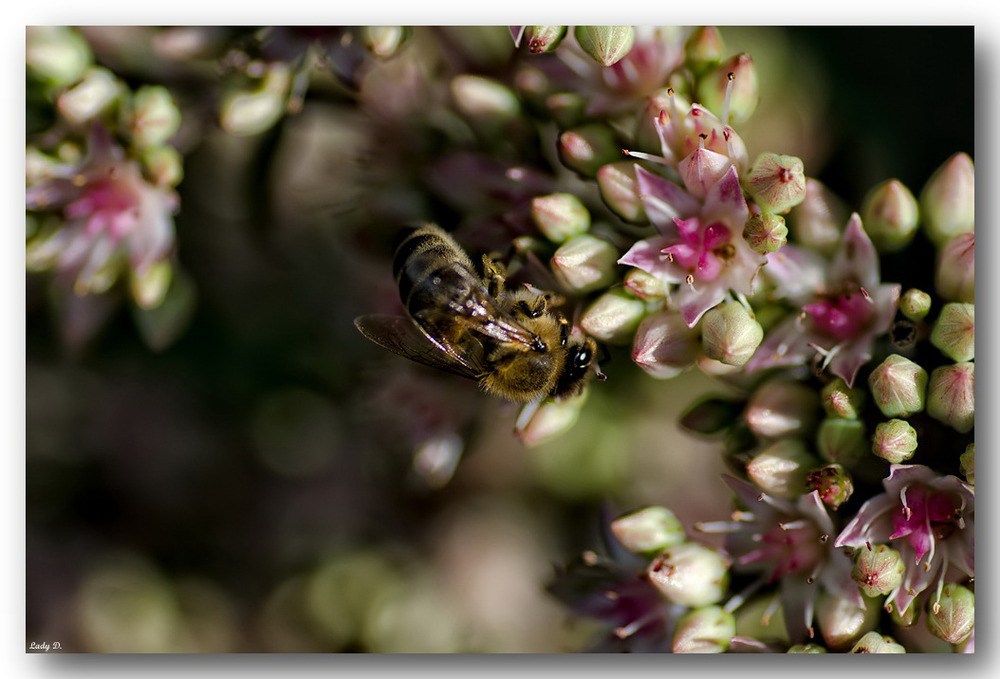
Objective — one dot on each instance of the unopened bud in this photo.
(914, 304)
(164, 165)
(690, 574)
(842, 401)
(566, 108)
(613, 317)
(777, 183)
(542, 39)
(907, 617)
(842, 622)
(818, 221)
(954, 331)
(149, 287)
(551, 419)
(384, 41)
(585, 263)
(606, 44)
(651, 529)
(806, 648)
(730, 334)
(873, 642)
(586, 148)
(93, 95)
(644, 285)
(898, 386)
(948, 200)
(894, 441)
(664, 345)
(967, 462)
(155, 117)
(951, 396)
(704, 48)
(781, 469)
(701, 169)
(251, 111)
(483, 99)
(619, 189)
(560, 216)
(890, 214)
(56, 54)
(877, 569)
(737, 73)
(955, 274)
(953, 616)
(832, 483)
(842, 441)
(704, 630)
(765, 233)
(781, 408)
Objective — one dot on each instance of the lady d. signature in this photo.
(44, 646)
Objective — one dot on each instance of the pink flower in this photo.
(843, 306)
(701, 247)
(929, 518)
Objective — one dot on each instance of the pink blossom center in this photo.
(790, 548)
(110, 204)
(923, 516)
(703, 253)
(842, 317)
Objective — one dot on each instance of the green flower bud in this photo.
(833, 484)
(613, 317)
(818, 221)
(765, 233)
(96, 93)
(953, 616)
(551, 419)
(704, 48)
(606, 44)
(251, 111)
(806, 648)
(730, 334)
(560, 216)
(149, 288)
(951, 396)
(877, 569)
(738, 73)
(164, 165)
(664, 345)
(690, 574)
(898, 386)
(948, 200)
(873, 642)
(777, 183)
(704, 630)
(842, 401)
(651, 529)
(155, 116)
(895, 441)
(782, 467)
(542, 39)
(620, 191)
(842, 622)
(915, 304)
(57, 54)
(484, 101)
(890, 215)
(644, 285)
(384, 41)
(955, 274)
(586, 148)
(954, 332)
(566, 108)
(842, 441)
(967, 460)
(781, 408)
(585, 263)
(906, 618)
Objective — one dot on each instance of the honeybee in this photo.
(466, 322)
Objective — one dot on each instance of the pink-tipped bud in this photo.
(898, 386)
(952, 617)
(842, 622)
(873, 642)
(951, 396)
(890, 216)
(833, 484)
(730, 89)
(894, 441)
(651, 529)
(730, 334)
(842, 441)
(781, 469)
(586, 148)
(585, 263)
(566, 108)
(701, 169)
(560, 216)
(97, 92)
(704, 630)
(164, 165)
(664, 345)
(644, 285)
(606, 44)
(613, 317)
(704, 48)
(877, 569)
(620, 191)
(954, 331)
(781, 408)
(842, 401)
(543, 39)
(948, 200)
(765, 233)
(550, 420)
(155, 116)
(777, 183)
(690, 574)
(915, 304)
(818, 221)
(58, 55)
(384, 41)
(955, 275)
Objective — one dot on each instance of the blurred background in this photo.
(242, 471)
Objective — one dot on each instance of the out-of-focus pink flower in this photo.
(929, 518)
(840, 317)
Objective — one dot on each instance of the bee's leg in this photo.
(494, 275)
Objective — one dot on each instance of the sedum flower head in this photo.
(928, 518)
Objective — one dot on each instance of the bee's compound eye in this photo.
(582, 358)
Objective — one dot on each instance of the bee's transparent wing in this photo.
(401, 336)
